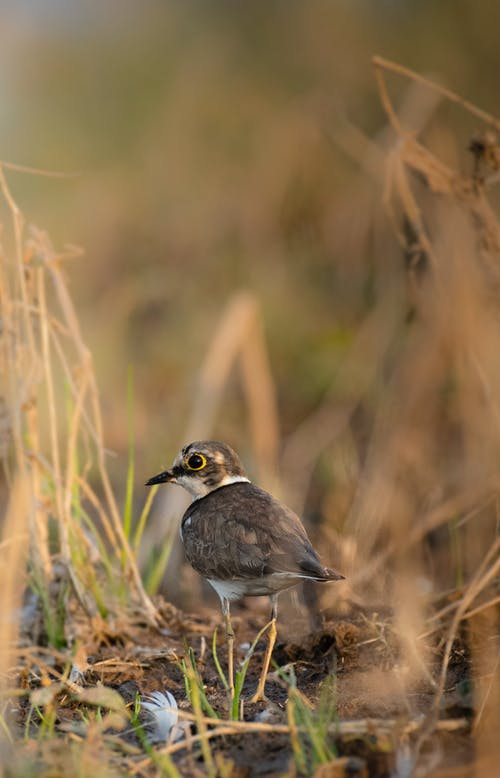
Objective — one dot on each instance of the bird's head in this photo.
(201, 467)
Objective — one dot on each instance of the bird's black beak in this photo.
(161, 478)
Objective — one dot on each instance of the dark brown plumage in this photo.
(239, 537)
(241, 532)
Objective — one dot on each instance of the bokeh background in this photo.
(218, 148)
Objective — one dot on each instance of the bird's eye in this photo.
(196, 462)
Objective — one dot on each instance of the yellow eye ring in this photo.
(195, 462)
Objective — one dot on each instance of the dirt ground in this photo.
(357, 650)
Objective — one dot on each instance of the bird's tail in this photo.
(331, 575)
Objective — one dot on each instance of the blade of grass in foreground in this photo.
(129, 495)
(192, 678)
(217, 663)
(240, 675)
(144, 517)
(156, 571)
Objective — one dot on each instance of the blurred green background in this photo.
(204, 138)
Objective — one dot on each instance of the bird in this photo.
(240, 538)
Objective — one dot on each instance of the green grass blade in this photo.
(144, 517)
(220, 671)
(295, 740)
(191, 675)
(156, 572)
(129, 495)
(241, 674)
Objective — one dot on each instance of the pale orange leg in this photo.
(271, 640)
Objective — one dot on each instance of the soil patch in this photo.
(354, 657)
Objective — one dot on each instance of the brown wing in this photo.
(240, 531)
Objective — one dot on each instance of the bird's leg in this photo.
(230, 645)
(271, 640)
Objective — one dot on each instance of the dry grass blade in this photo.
(363, 727)
(484, 575)
(47, 368)
(380, 64)
(12, 578)
(466, 503)
(35, 171)
(450, 236)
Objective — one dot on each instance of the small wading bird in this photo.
(239, 537)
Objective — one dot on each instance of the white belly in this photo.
(253, 587)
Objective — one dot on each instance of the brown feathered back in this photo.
(240, 531)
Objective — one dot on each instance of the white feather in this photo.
(162, 710)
